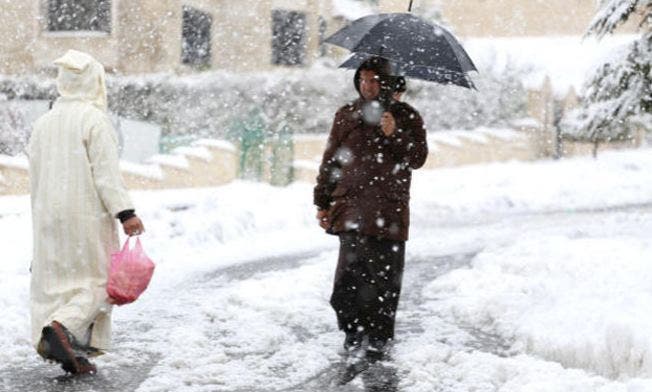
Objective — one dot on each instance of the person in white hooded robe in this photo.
(77, 195)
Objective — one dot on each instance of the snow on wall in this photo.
(143, 170)
(214, 143)
(15, 162)
(195, 152)
(178, 161)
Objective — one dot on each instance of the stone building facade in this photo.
(144, 36)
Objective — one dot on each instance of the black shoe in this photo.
(56, 345)
(355, 364)
(85, 366)
(377, 350)
(353, 341)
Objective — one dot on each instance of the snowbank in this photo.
(15, 162)
(615, 178)
(582, 302)
(565, 287)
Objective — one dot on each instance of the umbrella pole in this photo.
(410, 6)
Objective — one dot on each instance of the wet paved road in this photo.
(39, 376)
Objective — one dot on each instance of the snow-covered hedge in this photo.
(209, 104)
(14, 129)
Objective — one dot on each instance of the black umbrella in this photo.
(431, 74)
(414, 46)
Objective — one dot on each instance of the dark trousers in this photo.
(367, 285)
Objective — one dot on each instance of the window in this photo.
(288, 38)
(196, 37)
(79, 15)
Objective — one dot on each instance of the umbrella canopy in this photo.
(416, 47)
(431, 74)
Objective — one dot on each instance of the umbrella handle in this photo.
(410, 6)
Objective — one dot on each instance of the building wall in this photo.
(149, 35)
(146, 35)
(507, 18)
(518, 18)
(242, 36)
(17, 34)
(46, 46)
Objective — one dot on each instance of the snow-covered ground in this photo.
(552, 291)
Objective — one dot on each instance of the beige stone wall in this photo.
(470, 152)
(138, 41)
(308, 150)
(146, 35)
(16, 32)
(13, 181)
(149, 35)
(242, 36)
(218, 168)
(309, 147)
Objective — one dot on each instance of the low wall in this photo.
(447, 148)
(577, 148)
(209, 163)
(206, 163)
(14, 178)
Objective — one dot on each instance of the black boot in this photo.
(377, 350)
(353, 341)
(56, 345)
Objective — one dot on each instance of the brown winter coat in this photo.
(364, 178)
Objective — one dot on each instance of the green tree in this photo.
(618, 97)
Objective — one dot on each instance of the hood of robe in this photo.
(81, 77)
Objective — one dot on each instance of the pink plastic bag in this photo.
(130, 273)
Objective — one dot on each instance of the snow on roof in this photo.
(567, 60)
(14, 162)
(351, 9)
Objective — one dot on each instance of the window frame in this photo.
(302, 56)
(208, 61)
(45, 26)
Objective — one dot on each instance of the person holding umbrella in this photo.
(362, 196)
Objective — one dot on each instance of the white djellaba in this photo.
(76, 193)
